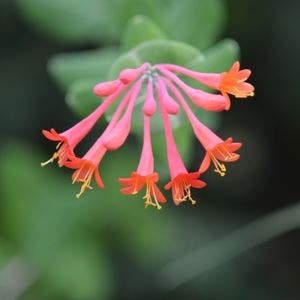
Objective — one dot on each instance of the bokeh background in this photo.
(241, 241)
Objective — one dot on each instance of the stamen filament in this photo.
(219, 168)
(150, 189)
(85, 182)
(51, 160)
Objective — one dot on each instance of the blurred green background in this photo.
(241, 241)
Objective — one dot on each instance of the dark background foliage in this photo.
(52, 247)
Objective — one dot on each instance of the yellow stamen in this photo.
(182, 192)
(51, 160)
(58, 145)
(149, 189)
(225, 153)
(155, 198)
(219, 168)
(85, 184)
(188, 194)
(135, 191)
(86, 180)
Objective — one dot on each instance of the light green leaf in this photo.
(140, 29)
(197, 22)
(221, 56)
(94, 64)
(123, 10)
(157, 51)
(80, 97)
(78, 22)
(69, 21)
(217, 58)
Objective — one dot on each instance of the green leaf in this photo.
(80, 97)
(140, 29)
(67, 67)
(123, 10)
(69, 21)
(197, 22)
(157, 51)
(78, 22)
(221, 56)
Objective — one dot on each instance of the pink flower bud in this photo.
(107, 88)
(150, 105)
(129, 75)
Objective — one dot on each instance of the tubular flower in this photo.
(136, 182)
(145, 175)
(216, 148)
(87, 166)
(222, 151)
(181, 186)
(231, 82)
(69, 139)
(64, 150)
(161, 82)
(181, 181)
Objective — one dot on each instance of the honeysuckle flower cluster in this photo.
(166, 94)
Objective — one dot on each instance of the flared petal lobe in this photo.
(85, 171)
(137, 182)
(181, 186)
(224, 152)
(63, 149)
(233, 82)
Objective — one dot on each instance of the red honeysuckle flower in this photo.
(87, 166)
(120, 131)
(231, 82)
(207, 101)
(69, 139)
(136, 182)
(222, 151)
(145, 175)
(181, 180)
(181, 186)
(216, 148)
(162, 82)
